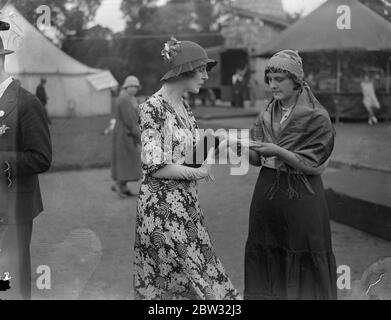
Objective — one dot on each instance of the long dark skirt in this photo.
(288, 251)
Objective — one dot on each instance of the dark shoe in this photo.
(120, 193)
(129, 193)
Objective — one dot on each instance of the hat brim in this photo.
(131, 85)
(5, 51)
(189, 66)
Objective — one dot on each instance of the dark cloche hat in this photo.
(184, 56)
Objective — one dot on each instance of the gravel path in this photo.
(86, 234)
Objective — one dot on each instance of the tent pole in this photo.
(337, 97)
(338, 72)
(388, 75)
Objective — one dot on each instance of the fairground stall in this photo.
(337, 55)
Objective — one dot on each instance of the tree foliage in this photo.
(144, 16)
(382, 7)
(68, 16)
(195, 18)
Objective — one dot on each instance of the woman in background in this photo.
(126, 159)
(370, 100)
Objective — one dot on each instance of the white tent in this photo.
(69, 86)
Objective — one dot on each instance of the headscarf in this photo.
(287, 60)
(308, 132)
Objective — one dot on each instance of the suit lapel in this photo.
(8, 101)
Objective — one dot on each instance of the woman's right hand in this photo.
(206, 167)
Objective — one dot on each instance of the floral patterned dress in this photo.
(174, 256)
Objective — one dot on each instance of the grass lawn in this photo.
(79, 143)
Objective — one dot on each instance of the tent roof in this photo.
(278, 21)
(273, 9)
(34, 54)
(318, 31)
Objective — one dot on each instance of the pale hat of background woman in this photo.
(184, 56)
(131, 81)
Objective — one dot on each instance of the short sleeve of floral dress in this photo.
(173, 254)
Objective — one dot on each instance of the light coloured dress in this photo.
(369, 96)
(174, 256)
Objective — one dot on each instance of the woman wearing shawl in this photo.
(289, 252)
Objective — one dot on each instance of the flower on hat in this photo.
(171, 49)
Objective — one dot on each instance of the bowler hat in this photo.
(2, 50)
(184, 56)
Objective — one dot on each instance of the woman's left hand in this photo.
(206, 167)
(267, 149)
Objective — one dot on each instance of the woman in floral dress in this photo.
(174, 257)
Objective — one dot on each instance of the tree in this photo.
(157, 24)
(382, 7)
(118, 67)
(137, 13)
(89, 49)
(190, 15)
(68, 16)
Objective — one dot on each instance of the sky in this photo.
(110, 15)
(297, 5)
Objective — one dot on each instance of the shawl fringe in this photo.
(294, 178)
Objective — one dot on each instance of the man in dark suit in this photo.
(40, 92)
(25, 151)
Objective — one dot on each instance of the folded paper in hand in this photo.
(200, 151)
